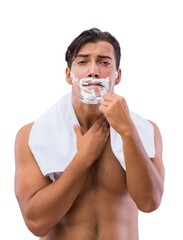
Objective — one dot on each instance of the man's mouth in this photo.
(92, 85)
(91, 82)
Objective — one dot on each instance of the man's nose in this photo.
(94, 75)
(93, 71)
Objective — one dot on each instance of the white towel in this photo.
(53, 142)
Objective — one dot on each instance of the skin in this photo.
(94, 198)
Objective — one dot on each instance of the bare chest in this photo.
(107, 173)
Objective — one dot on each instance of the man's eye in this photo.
(82, 62)
(104, 63)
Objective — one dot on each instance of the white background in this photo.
(34, 36)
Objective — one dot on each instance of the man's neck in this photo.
(87, 114)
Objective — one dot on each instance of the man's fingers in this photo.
(104, 126)
(98, 122)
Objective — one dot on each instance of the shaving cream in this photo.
(92, 89)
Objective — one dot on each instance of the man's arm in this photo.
(42, 202)
(145, 176)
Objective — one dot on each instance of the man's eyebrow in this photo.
(82, 55)
(87, 55)
(103, 56)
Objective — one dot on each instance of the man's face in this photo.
(93, 72)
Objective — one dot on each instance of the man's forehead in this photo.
(101, 48)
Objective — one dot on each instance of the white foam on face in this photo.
(92, 89)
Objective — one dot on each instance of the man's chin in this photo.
(93, 101)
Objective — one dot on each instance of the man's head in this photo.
(93, 60)
(92, 35)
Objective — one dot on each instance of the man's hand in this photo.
(115, 109)
(92, 143)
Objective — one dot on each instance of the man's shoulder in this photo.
(23, 134)
(25, 129)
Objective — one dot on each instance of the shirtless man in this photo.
(95, 197)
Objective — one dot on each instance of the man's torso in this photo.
(104, 209)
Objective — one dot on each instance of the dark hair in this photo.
(92, 35)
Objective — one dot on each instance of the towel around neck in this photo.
(53, 142)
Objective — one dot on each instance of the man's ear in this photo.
(118, 77)
(68, 75)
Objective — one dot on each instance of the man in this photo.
(88, 165)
